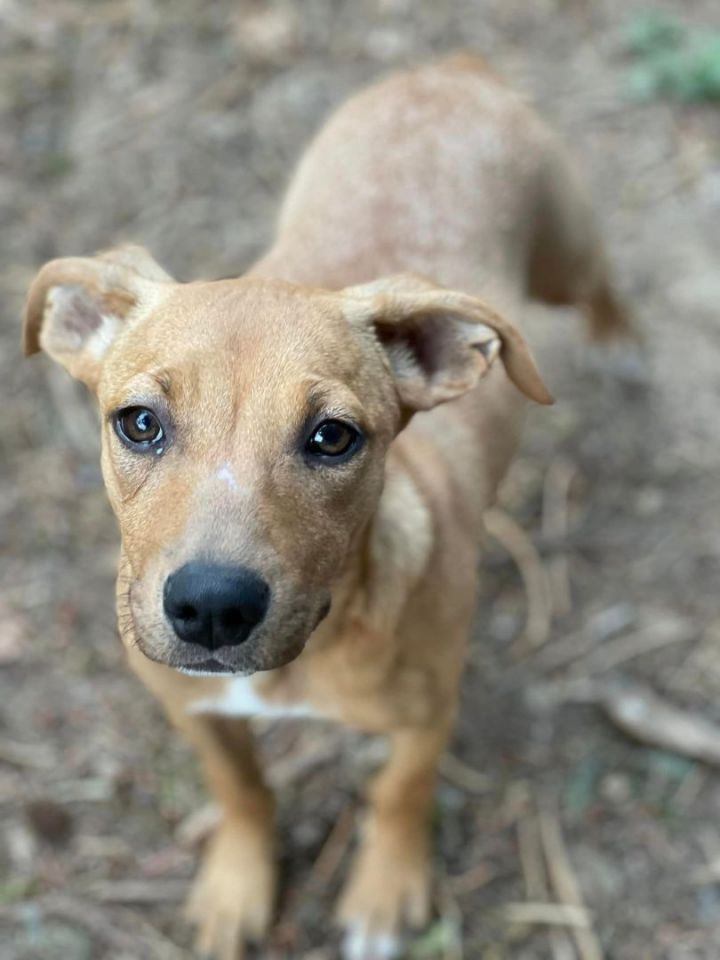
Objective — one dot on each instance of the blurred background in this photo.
(577, 810)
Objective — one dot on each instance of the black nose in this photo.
(215, 606)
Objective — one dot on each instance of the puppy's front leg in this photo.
(389, 887)
(232, 897)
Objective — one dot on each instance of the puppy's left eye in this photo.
(333, 439)
(139, 427)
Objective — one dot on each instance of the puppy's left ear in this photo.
(76, 306)
(439, 343)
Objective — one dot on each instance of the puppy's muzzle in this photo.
(215, 606)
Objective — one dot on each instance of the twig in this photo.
(470, 880)
(548, 914)
(561, 944)
(536, 887)
(160, 947)
(451, 916)
(90, 790)
(555, 525)
(333, 850)
(566, 886)
(300, 763)
(565, 650)
(707, 874)
(660, 634)
(531, 862)
(95, 847)
(523, 552)
(138, 891)
(26, 755)
(584, 650)
(463, 776)
(86, 915)
(197, 826)
(642, 714)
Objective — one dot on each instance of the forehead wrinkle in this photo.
(267, 405)
(246, 367)
(137, 387)
(335, 396)
(163, 380)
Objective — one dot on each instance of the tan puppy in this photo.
(296, 538)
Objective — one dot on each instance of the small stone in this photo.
(308, 833)
(266, 34)
(49, 820)
(616, 788)
(504, 626)
(13, 634)
(386, 44)
(649, 501)
(612, 621)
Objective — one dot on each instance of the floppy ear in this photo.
(439, 343)
(77, 305)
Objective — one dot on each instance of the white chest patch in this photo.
(241, 699)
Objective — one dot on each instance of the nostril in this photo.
(187, 613)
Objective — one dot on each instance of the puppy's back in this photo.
(431, 170)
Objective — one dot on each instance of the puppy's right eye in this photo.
(333, 440)
(139, 427)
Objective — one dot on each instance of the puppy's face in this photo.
(245, 425)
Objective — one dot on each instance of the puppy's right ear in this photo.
(77, 305)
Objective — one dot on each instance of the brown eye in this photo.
(139, 427)
(333, 439)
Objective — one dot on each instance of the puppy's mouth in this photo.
(258, 653)
(211, 668)
(230, 663)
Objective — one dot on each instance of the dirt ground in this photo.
(176, 125)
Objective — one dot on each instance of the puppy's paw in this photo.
(232, 897)
(387, 893)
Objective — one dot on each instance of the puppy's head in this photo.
(244, 430)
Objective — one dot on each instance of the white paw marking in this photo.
(360, 944)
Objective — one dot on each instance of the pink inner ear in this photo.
(75, 311)
(426, 341)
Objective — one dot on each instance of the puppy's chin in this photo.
(224, 662)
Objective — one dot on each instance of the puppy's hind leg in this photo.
(566, 263)
(607, 315)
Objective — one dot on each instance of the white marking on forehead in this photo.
(241, 699)
(226, 475)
